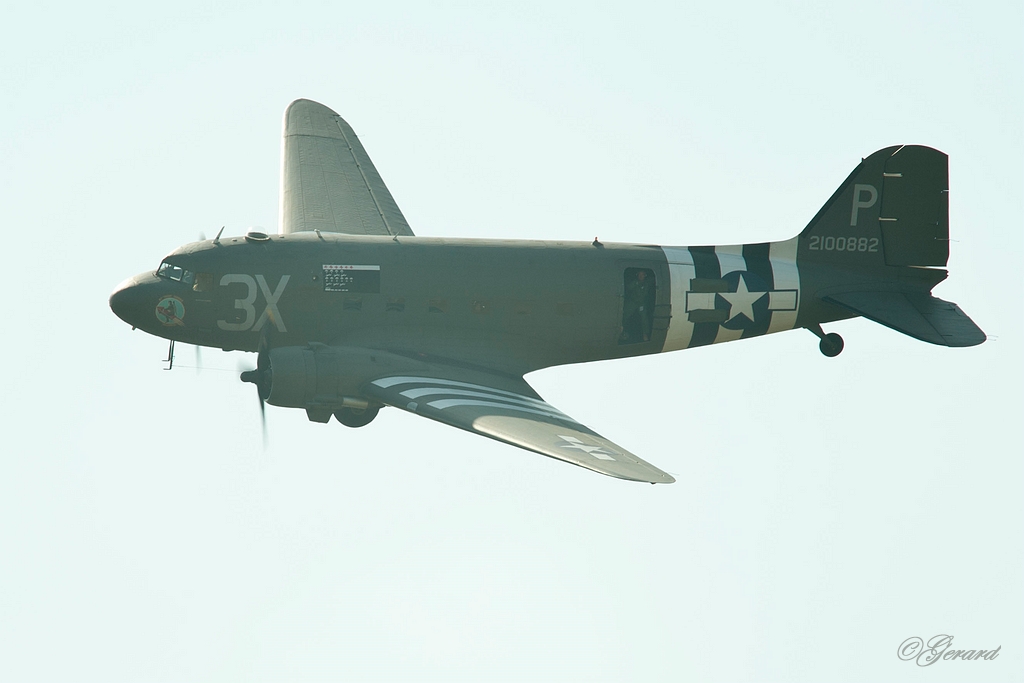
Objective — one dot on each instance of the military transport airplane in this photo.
(349, 312)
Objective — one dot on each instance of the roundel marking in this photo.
(746, 302)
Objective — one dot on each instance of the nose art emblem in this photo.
(170, 311)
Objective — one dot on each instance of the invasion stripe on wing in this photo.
(387, 382)
(433, 391)
(457, 402)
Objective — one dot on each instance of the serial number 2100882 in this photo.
(819, 243)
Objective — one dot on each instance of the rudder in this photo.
(893, 210)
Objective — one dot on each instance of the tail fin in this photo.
(894, 209)
(876, 243)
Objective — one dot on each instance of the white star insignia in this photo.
(595, 451)
(741, 302)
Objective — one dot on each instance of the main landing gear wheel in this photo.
(351, 417)
(831, 345)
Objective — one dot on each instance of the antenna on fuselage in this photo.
(216, 240)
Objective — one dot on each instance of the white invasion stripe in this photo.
(786, 276)
(386, 382)
(784, 254)
(730, 258)
(433, 391)
(782, 301)
(680, 271)
(679, 255)
(458, 402)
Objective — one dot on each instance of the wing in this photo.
(328, 182)
(509, 410)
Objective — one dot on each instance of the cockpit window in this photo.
(176, 273)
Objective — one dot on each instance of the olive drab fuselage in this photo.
(513, 306)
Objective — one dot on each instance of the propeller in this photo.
(262, 376)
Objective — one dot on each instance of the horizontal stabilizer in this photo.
(915, 314)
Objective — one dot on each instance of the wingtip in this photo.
(650, 475)
(303, 105)
(306, 117)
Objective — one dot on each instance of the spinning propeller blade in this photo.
(262, 376)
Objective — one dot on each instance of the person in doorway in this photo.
(636, 316)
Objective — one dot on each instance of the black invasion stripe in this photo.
(705, 267)
(705, 263)
(758, 263)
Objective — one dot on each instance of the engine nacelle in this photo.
(310, 377)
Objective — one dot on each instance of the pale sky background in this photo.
(825, 510)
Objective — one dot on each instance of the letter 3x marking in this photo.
(246, 303)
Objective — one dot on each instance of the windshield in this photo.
(176, 273)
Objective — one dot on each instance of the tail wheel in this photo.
(351, 417)
(831, 345)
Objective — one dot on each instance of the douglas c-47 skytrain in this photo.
(349, 312)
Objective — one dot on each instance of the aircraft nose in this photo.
(125, 299)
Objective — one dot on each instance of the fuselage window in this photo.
(637, 305)
(204, 282)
